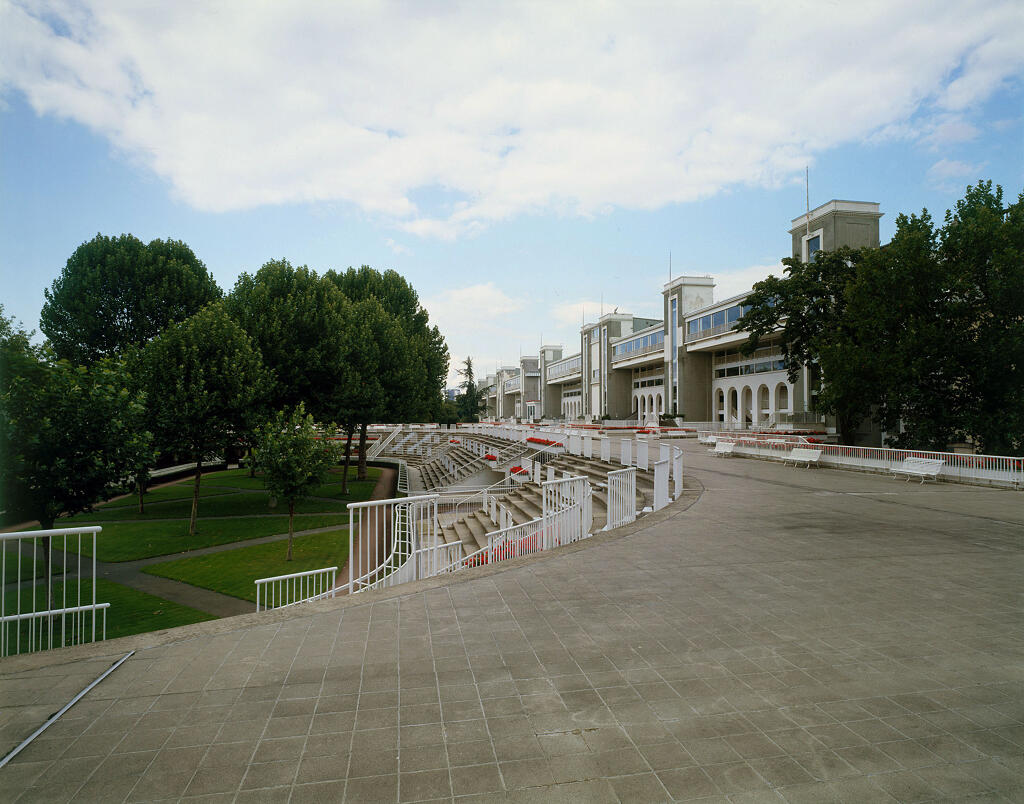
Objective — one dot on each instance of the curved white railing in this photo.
(985, 470)
(32, 563)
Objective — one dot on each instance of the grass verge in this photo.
(234, 572)
(127, 541)
(130, 612)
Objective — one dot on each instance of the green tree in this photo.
(117, 292)
(294, 460)
(925, 334)
(426, 350)
(981, 249)
(808, 306)
(204, 379)
(471, 401)
(301, 324)
(68, 434)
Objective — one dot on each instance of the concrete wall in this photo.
(694, 386)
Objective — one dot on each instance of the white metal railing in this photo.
(621, 497)
(32, 564)
(985, 470)
(567, 511)
(380, 444)
(298, 587)
(661, 498)
(384, 535)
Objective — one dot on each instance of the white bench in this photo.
(919, 467)
(722, 448)
(804, 455)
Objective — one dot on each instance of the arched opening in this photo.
(659, 407)
(734, 406)
(782, 397)
(720, 405)
(748, 406)
(764, 404)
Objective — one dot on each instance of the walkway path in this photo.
(794, 635)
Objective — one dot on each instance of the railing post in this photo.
(660, 485)
(677, 472)
(625, 452)
(642, 448)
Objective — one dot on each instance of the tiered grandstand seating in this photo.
(526, 502)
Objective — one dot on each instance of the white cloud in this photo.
(732, 283)
(398, 248)
(952, 174)
(514, 109)
(477, 320)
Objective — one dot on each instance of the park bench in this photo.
(919, 467)
(804, 455)
(722, 449)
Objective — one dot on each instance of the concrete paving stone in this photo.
(464, 730)
(687, 784)
(427, 785)
(266, 795)
(372, 789)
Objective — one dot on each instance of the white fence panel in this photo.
(606, 450)
(298, 587)
(48, 590)
(626, 452)
(621, 497)
(642, 448)
(588, 447)
(660, 485)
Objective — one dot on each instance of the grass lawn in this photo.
(130, 612)
(234, 572)
(126, 541)
(228, 513)
(247, 503)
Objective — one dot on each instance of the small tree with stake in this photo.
(293, 459)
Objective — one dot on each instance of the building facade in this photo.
(689, 363)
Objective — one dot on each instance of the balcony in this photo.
(709, 333)
(638, 352)
(557, 370)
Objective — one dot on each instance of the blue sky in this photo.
(515, 167)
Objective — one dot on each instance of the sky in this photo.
(521, 164)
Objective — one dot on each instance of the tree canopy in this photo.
(294, 459)
(204, 379)
(424, 345)
(925, 334)
(470, 403)
(303, 327)
(68, 434)
(118, 292)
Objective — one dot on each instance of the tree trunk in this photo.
(361, 471)
(195, 497)
(348, 459)
(140, 486)
(291, 528)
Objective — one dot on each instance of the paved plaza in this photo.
(779, 634)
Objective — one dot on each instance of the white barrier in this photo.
(45, 567)
(661, 498)
(299, 587)
(621, 497)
